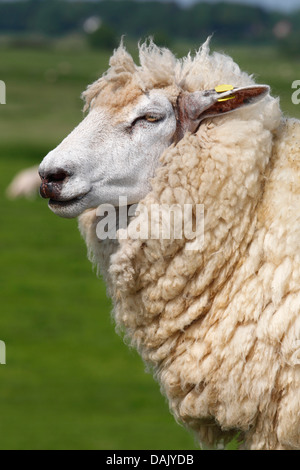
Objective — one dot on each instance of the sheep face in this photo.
(108, 155)
(114, 152)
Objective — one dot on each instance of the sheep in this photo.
(219, 326)
(25, 184)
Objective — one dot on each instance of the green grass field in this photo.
(70, 382)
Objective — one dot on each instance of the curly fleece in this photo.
(219, 327)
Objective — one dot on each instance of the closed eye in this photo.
(151, 118)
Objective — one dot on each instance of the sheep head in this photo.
(133, 118)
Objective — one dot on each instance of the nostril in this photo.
(57, 177)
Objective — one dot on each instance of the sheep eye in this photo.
(152, 118)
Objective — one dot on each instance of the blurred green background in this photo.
(70, 382)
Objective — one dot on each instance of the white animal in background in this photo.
(220, 326)
(25, 184)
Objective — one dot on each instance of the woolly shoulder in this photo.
(280, 208)
(289, 142)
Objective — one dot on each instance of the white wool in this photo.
(219, 327)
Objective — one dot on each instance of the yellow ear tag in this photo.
(222, 88)
(226, 99)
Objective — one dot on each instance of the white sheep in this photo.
(25, 184)
(219, 326)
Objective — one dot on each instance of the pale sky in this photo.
(281, 5)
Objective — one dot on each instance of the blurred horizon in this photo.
(103, 23)
(287, 5)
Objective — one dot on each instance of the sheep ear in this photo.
(194, 107)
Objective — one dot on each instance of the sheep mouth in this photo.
(68, 202)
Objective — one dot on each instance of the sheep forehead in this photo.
(124, 103)
(115, 99)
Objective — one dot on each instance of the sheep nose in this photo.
(52, 183)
